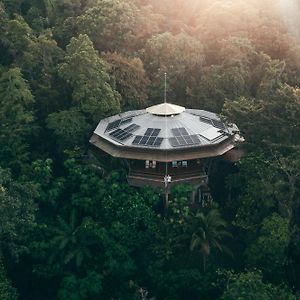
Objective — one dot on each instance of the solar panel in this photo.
(185, 140)
(137, 139)
(195, 139)
(144, 140)
(116, 132)
(152, 132)
(188, 140)
(173, 141)
(155, 132)
(176, 132)
(181, 140)
(132, 128)
(212, 133)
(115, 124)
(179, 131)
(158, 142)
(126, 120)
(125, 136)
(205, 120)
(214, 122)
(183, 131)
(149, 139)
(218, 123)
(149, 131)
(120, 135)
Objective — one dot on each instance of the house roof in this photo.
(165, 109)
(156, 130)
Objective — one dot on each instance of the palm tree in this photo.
(68, 241)
(208, 232)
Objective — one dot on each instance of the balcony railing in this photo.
(138, 176)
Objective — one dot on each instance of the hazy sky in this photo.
(290, 13)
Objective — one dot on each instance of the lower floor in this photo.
(158, 174)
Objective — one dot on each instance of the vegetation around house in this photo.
(70, 226)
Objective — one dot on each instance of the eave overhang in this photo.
(162, 155)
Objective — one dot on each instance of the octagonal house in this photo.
(166, 144)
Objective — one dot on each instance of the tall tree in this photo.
(269, 251)
(209, 232)
(16, 118)
(108, 23)
(130, 80)
(86, 74)
(250, 285)
(180, 56)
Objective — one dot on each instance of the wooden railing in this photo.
(156, 177)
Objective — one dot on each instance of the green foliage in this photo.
(108, 24)
(282, 105)
(39, 66)
(70, 127)
(80, 288)
(18, 34)
(70, 226)
(16, 118)
(17, 212)
(250, 285)
(269, 251)
(86, 74)
(208, 231)
(130, 80)
(7, 291)
(178, 55)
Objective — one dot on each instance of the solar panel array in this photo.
(124, 134)
(150, 138)
(216, 123)
(182, 138)
(118, 123)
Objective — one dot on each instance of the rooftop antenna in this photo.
(167, 177)
(165, 92)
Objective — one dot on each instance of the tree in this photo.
(7, 291)
(269, 251)
(180, 56)
(18, 35)
(108, 23)
(69, 241)
(39, 66)
(76, 288)
(12, 6)
(86, 74)
(4, 43)
(17, 211)
(69, 127)
(208, 233)
(130, 80)
(249, 285)
(16, 118)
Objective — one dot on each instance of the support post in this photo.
(166, 204)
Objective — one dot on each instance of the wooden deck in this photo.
(141, 176)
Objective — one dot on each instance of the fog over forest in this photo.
(71, 227)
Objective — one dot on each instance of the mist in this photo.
(290, 14)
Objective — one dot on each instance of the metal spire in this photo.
(165, 93)
(167, 176)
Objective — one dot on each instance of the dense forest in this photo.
(70, 226)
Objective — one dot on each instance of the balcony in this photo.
(140, 176)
